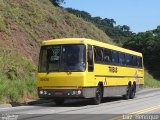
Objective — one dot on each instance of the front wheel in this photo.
(98, 97)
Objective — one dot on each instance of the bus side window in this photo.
(115, 59)
(98, 54)
(139, 62)
(128, 60)
(134, 61)
(90, 59)
(107, 56)
(122, 59)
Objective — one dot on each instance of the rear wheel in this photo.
(132, 93)
(59, 101)
(128, 93)
(98, 97)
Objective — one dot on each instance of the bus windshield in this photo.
(62, 58)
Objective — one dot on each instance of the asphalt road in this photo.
(146, 102)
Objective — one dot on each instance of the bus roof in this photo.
(89, 41)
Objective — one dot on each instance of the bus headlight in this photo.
(79, 92)
(73, 92)
(45, 92)
(76, 92)
(41, 92)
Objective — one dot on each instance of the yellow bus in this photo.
(85, 68)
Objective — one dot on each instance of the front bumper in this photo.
(60, 93)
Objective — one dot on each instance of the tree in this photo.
(125, 28)
(118, 33)
(57, 2)
(149, 44)
(82, 14)
(146, 42)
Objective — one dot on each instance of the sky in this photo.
(139, 15)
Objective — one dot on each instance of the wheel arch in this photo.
(129, 84)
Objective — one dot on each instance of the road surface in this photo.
(146, 102)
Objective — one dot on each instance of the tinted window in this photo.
(98, 54)
(139, 61)
(134, 61)
(114, 57)
(107, 55)
(128, 59)
(122, 59)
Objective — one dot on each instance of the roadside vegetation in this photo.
(42, 20)
(147, 42)
(17, 77)
(25, 23)
(150, 82)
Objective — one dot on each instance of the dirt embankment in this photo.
(25, 23)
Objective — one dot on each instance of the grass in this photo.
(34, 20)
(38, 20)
(41, 20)
(2, 24)
(150, 81)
(16, 90)
(17, 77)
(18, 81)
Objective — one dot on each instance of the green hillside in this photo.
(17, 77)
(148, 43)
(23, 25)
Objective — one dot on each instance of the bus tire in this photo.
(98, 97)
(132, 93)
(128, 92)
(59, 101)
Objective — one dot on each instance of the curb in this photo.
(29, 103)
(40, 101)
(5, 105)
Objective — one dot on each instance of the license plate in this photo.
(58, 93)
